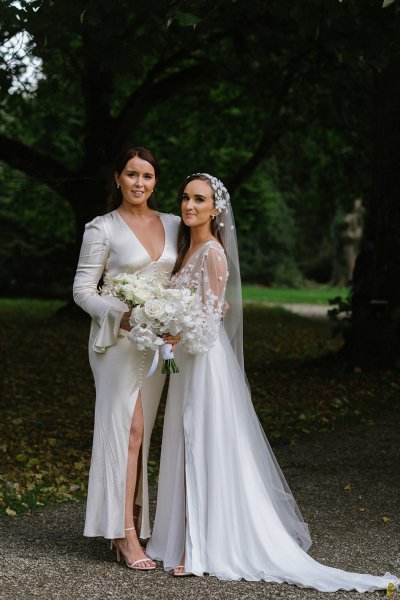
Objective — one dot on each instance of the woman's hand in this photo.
(125, 321)
(171, 339)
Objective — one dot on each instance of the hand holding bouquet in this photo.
(156, 310)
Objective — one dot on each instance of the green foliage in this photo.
(37, 235)
(220, 86)
(340, 314)
(266, 232)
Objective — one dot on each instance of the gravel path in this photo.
(347, 485)
(313, 311)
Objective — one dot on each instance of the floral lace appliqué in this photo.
(208, 310)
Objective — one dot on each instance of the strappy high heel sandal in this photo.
(182, 573)
(135, 563)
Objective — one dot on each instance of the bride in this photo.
(224, 507)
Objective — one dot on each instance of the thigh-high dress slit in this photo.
(110, 247)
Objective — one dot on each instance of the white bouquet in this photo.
(132, 289)
(201, 329)
(156, 310)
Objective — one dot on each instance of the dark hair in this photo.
(115, 197)
(183, 242)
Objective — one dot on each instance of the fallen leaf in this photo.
(293, 394)
(390, 590)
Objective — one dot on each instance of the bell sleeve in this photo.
(92, 260)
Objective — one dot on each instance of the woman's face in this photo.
(137, 181)
(197, 204)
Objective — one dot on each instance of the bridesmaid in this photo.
(132, 237)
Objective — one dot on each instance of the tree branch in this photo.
(138, 103)
(36, 165)
(271, 130)
(150, 94)
(160, 67)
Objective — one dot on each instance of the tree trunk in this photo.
(374, 335)
(89, 200)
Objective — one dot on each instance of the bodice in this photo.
(208, 260)
(206, 274)
(127, 254)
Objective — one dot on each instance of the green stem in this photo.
(169, 366)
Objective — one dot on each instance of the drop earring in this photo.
(117, 186)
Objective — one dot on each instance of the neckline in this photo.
(195, 252)
(139, 242)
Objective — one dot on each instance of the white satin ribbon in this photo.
(166, 353)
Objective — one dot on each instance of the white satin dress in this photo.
(110, 247)
(221, 496)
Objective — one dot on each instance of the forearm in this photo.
(92, 261)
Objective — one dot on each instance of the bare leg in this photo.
(130, 546)
(136, 507)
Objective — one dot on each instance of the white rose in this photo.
(121, 278)
(141, 294)
(138, 316)
(118, 289)
(172, 307)
(128, 291)
(154, 308)
(173, 293)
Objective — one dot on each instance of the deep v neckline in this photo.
(139, 242)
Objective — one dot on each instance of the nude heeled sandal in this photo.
(183, 574)
(135, 563)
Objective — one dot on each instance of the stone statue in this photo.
(347, 237)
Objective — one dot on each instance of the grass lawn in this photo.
(47, 395)
(312, 295)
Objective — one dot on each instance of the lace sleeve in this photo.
(210, 276)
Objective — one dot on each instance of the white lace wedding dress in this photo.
(222, 498)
